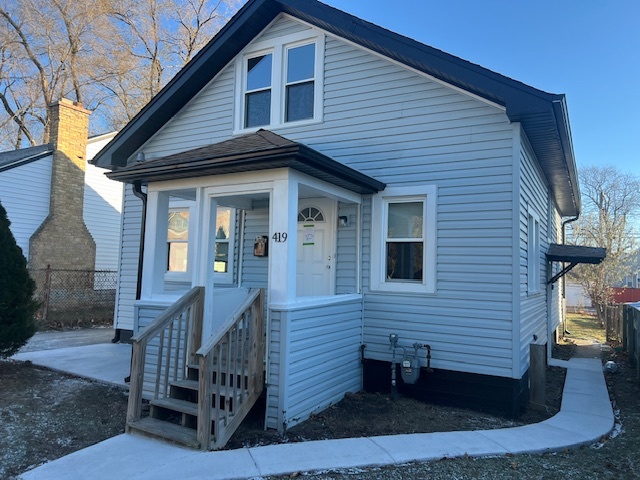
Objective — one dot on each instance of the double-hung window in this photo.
(258, 91)
(403, 235)
(300, 83)
(280, 83)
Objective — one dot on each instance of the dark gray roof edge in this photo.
(17, 158)
(561, 112)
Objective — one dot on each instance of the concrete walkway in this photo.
(85, 352)
(586, 415)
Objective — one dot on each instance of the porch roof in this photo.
(262, 150)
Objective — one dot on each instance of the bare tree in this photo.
(111, 55)
(611, 203)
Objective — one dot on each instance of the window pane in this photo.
(299, 102)
(300, 63)
(178, 225)
(223, 222)
(177, 257)
(259, 72)
(404, 260)
(405, 220)
(221, 262)
(258, 109)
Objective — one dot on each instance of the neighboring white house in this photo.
(25, 186)
(400, 190)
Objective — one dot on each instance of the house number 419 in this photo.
(280, 237)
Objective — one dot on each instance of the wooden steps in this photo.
(199, 409)
(165, 430)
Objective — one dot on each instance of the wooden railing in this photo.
(178, 333)
(231, 367)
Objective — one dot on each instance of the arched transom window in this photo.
(310, 214)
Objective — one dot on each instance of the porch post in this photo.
(283, 241)
(208, 253)
(155, 248)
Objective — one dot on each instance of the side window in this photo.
(177, 240)
(300, 83)
(403, 243)
(258, 91)
(533, 253)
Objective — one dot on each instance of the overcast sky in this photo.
(587, 49)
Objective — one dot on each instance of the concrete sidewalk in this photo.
(586, 415)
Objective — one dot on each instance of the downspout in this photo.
(137, 191)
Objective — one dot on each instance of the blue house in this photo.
(341, 183)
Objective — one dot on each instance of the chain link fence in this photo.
(74, 298)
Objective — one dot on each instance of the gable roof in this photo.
(14, 158)
(544, 116)
(245, 153)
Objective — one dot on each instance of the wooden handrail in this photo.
(155, 327)
(187, 310)
(240, 339)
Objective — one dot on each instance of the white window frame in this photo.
(278, 47)
(427, 194)
(533, 252)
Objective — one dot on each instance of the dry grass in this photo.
(585, 327)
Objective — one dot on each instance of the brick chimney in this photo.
(63, 240)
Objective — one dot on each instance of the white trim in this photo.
(515, 263)
(283, 255)
(427, 194)
(304, 303)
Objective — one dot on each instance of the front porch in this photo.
(291, 229)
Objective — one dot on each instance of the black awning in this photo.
(573, 255)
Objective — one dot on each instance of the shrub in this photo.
(17, 307)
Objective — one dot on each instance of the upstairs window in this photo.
(279, 82)
(299, 87)
(258, 91)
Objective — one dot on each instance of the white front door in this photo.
(316, 247)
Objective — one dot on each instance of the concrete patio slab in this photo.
(105, 362)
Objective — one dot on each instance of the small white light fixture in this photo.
(140, 157)
(343, 221)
